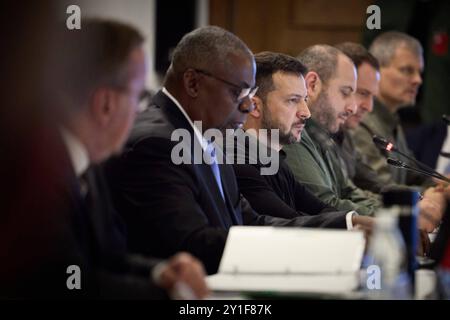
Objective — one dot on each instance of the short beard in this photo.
(267, 122)
(324, 113)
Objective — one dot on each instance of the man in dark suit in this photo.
(83, 252)
(170, 198)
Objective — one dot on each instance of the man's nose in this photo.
(303, 111)
(417, 79)
(351, 107)
(246, 105)
(369, 104)
(365, 104)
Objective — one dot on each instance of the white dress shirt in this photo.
(197, 132)
(77, 152)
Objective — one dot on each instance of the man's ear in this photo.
(313, 84)
(102, 106)
(191, 82)
(257, 110)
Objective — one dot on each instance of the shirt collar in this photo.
(197, 132)
(388, 119)
(319, 135)
(252, 158)
(77, 152)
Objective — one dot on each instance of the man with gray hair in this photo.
(358, 171)
(189, 206)
(401, 64)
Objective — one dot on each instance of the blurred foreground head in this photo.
(102, 78)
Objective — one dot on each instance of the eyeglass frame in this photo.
(251, 91)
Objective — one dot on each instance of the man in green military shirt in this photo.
(368, 70)
(401, 61)
(357, 170)
(331, 83)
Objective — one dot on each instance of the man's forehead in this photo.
(288, 81)
(403, 55)
(239, 66)
(345, 74)
(366, 72)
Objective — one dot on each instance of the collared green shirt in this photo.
(315, 163)
(357, 171)
(385, 124)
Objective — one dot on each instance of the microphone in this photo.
(445, 154)
(382, 143)
(396, 163)
(400, 164)
(388, 146)
(446, 119)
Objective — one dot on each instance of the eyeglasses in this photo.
(244, 92)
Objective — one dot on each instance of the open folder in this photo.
(289, 260)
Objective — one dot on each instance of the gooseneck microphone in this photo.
(388, 146)
(445, 154)
(382, 143)
(400, 164)
(446, 119)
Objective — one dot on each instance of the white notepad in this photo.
(290, 260)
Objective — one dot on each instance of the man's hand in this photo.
(363, 223)
(184, 277)
(443, 188)
(437, 194)
(430, 215)
(432, 208)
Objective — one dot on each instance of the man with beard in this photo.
(280, 105)
(331, 84)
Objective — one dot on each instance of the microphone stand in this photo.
(400, 164)
(421, 165)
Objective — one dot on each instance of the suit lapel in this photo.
(235, 216)
(207, 176)
(94, 204)
(205, 173)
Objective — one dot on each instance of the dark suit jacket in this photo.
(279, 194)
(118, 273)
(172, 207)
(56, 227)
(426, 142)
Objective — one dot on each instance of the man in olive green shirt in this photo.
(331, 83)
(400, 59)
(368, 70)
